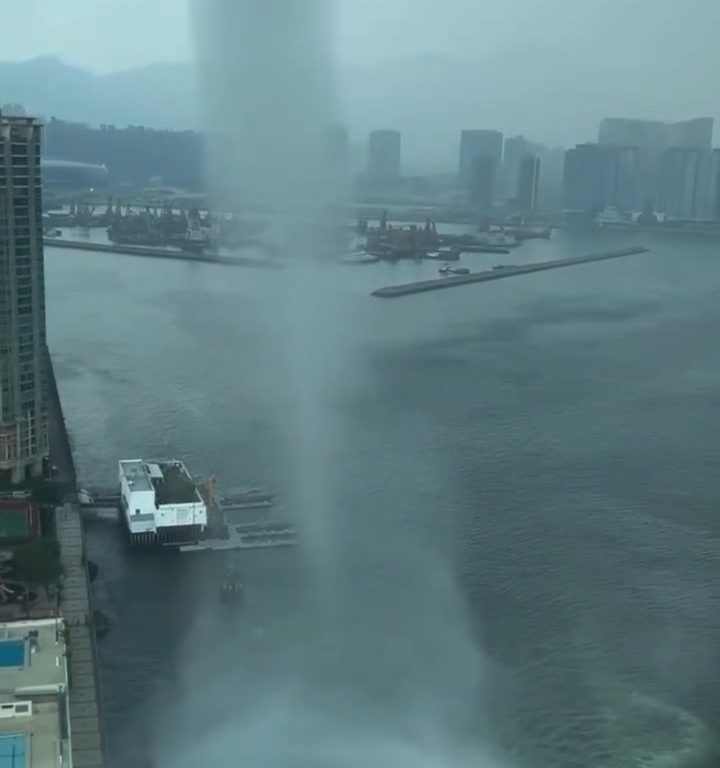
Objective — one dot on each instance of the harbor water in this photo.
(522, 490)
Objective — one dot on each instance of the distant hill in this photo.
(158, 96)
(533, 91)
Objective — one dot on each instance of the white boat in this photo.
(231, 587)
(611, 216)
(446, 269)
(85, 498)
(193, 240)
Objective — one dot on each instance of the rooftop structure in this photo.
(160, 501)
(34, 722)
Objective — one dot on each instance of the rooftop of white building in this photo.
(33, 689)
(169, 479)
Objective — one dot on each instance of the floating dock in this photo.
(174, 254)
(226, 533)
(499, 273)
(252, 536)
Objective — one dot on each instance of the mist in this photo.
(267, 94)
(548, 70)
(366, 657)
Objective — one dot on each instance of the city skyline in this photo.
(670, 168)
(447, 70)
(371, 95)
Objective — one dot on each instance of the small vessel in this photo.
(445, 253)
(612, 216)
(231, 587)
(193, 241)
(247, 498)
(446, 269)
(85, 498)
(497, 236)
(360, 257)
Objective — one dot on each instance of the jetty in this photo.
(500, 272)
(235, 520)
(85, 693)
(174, 254)
(262, 535)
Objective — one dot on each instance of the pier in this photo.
(174, 254)
(75, 603)
(236, 520)
(76, 609)
(268, 535)
(227, 532)
(499, 273)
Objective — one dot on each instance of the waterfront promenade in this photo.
(75, 603)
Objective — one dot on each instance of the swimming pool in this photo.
(12, 653)
(13, 750)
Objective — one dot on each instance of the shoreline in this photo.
(85, 691)
(150, 252)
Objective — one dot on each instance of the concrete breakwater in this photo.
(175, 254)
(499, 273)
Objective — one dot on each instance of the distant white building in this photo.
(34, 712)
(160, 502)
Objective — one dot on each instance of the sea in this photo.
(507, 496)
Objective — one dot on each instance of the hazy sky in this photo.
(550, 69)
(107, 35)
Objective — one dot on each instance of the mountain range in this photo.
(550, 95)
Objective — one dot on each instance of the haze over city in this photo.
(358, 381)
(548, 70)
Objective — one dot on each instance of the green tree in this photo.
(38, 561)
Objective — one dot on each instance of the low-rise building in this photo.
(34, 712)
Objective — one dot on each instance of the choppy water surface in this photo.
(518, 513)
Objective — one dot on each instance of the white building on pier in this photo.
(160, 502)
